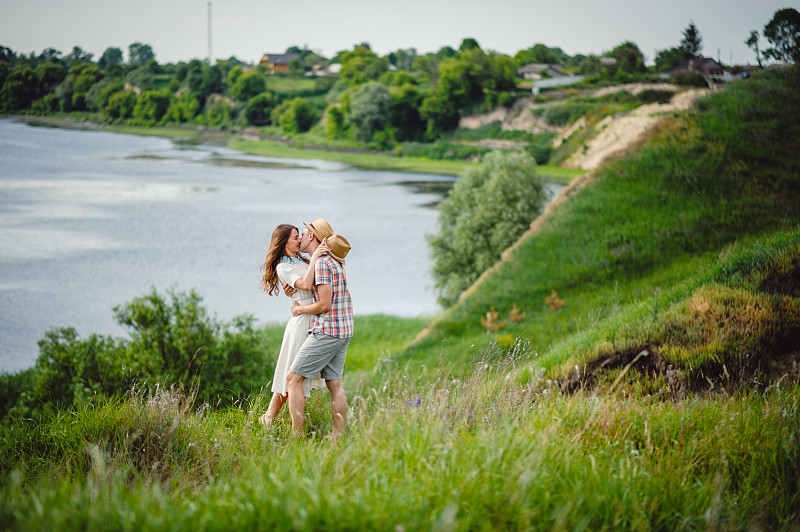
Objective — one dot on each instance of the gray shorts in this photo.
(321, 354)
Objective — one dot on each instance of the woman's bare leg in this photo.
(275, 405)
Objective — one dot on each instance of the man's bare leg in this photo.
(338, 406)
(297, 401)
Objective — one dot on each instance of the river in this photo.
(91, 219)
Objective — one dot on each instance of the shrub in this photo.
(295, 116)
(120, 105)
(487, 210)
(259, 108)
(151, 106)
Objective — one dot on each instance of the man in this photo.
(330, 330)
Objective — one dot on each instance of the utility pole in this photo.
(209, 34)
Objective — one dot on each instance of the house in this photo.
(540, 70)
(277, 63)
(704, 66)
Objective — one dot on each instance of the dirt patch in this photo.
(723, 378)
(617, 133)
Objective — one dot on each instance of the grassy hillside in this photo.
(704, 186)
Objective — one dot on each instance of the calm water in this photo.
(90, 220)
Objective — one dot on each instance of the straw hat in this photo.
(320, 228)
(340, 247)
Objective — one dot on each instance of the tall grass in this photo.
(445, 452)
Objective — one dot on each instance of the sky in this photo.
(177, 30)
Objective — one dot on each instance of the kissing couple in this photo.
(315, 341)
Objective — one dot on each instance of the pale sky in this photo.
(177, 30)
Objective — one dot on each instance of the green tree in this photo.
(487, 210)
(370, 110)
(539, 53)
(120, 105)
(405, 112)
(50, 74)
(182, 109)
(19, 89)
(111, 56)
(360, 66)
(629, 58)
(140, 53)
(217, 112)
(259, 108)
(590, 66)
(783, 33)
(335, 122)
(469, 44)
(69, 369)
(692, 42)
(668, 59)
(151, 106)
(78, 55)
(752, 42)
(296, 115)
(248, 85)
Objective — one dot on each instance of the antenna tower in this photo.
(209, 33)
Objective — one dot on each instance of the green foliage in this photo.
(46, 105)
(692, 42)
(487, 210)
(563, 114)
(405, 117)
(541, 147)
(783, 32)
(360, 66)
(182, 109)
(630, 59)
(151, 106)
(217, 112)
(443, 150)
(295, 116)
(120, 105)
(259, 108)
(335, 123)
(111, 56)
(539, 53)
(370, 110)
(140, 53)
(19, 89)
(141, 78)
(248, 85)
(668, 59)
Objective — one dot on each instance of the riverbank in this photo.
(251, 141)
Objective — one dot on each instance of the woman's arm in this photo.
(307, 282)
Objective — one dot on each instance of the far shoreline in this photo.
(251, 141)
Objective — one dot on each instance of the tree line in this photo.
(375, 100)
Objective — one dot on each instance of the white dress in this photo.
(296, 331)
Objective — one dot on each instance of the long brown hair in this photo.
(277, 249)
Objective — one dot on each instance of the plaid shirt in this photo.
(338, 322)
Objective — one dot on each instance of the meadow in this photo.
(640, 372)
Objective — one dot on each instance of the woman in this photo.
(284, 266)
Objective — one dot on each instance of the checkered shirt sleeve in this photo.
(338, 322)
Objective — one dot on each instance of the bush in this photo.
(541, 147)
(259, 108)
(487, 210)
(370, 110)
(182, 110)
(652, 96)
(172, 340)
(120, 105)
(151, 106)
(295, 116)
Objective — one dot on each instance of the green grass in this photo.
(647, 222)
(358, 160)
(446, 453)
